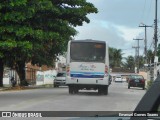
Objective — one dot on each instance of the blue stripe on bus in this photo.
(99, 73)
(87, 74)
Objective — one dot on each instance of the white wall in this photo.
(39, 78)
(49, 76)
(7, 76)
(46, 77)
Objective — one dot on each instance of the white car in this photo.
(60, 79)
(124, 80)
(118, 79)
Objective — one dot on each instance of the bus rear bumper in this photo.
(86, 86)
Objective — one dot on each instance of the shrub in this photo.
(149, 83)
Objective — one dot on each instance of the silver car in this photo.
(60, 79)
(118, 79)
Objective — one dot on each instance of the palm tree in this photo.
(130, 63)
(118, 57)
(111, 57)
(115, 57)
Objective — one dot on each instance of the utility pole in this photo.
(155, 30)
(145, 41)
(156, 40)
(138, 54)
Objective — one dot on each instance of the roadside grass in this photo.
(149, 83)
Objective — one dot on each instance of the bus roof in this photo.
(89, 40)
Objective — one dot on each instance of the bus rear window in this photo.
(88, 51)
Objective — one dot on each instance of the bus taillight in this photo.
(106, 70)
(68, 70)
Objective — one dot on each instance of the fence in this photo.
(30, 75)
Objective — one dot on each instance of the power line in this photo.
(151, 45)
(143, 10)
(149, 10)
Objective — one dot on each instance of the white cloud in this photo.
(120, 37)
(129, 33)
(117, 23)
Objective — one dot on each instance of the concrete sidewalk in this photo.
(24, 87)
(3, 88)
(16, 88)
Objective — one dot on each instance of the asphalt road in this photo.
(120, 98)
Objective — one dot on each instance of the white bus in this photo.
(87, 66)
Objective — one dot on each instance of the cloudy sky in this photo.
(117, 23)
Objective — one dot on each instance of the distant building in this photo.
(60, 64)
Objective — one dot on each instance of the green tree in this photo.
(115, 57)
(129, 63)
(38, 30)
(118, 57)
(150, 56)
(158, 52)
(111, 57)
(141, 61)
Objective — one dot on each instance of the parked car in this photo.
(118, 79)
(60, 79)
(136, 81)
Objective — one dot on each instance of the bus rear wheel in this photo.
(71, 91)
(103, 90)
(76, 90)
(100, 91)
(106, 90)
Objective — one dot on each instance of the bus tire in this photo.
(105, 90)
(71, 90)
(75, 90)
(100, 91)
